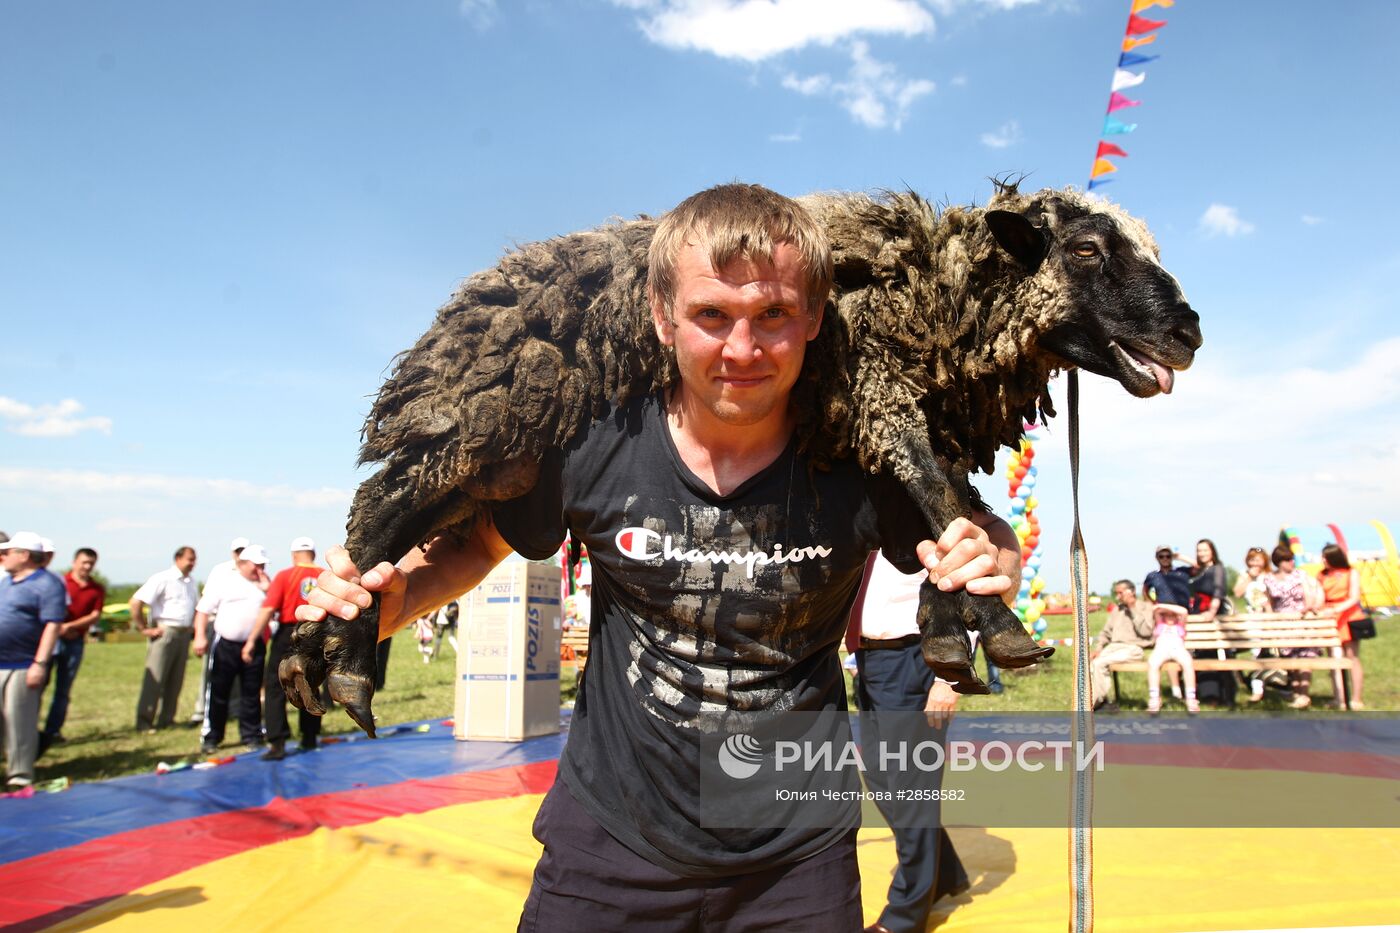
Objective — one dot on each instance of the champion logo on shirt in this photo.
(643, 544)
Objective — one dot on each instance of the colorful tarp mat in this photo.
(422, 832)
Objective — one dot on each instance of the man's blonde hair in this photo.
(738, 221)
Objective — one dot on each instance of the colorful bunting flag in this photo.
(1140, 32)
(1128, 60)
(1122, 80)
(1117, 101)
(1138, 26)
(1102, 167)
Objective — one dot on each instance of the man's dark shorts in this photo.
(586, 880)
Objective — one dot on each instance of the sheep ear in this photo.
(1018, 236)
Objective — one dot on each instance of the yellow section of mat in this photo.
(468, 867)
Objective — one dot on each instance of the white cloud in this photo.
(1223, 220)
(1008, 134)
(873, 93)
(958, 81)
(1312, 220)
(59, 420)
(952, 6)
(812, 84)
(754, 30)
(481, 13)
(68, 483)
(785, 138)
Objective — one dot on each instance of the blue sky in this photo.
(222, 221)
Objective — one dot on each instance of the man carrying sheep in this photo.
(724, 568)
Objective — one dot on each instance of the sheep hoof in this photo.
(963, 680)
(304, 670)
(946, 651)
(1008, 645)
(297, 687)
(354, 692)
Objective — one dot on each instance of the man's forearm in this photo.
(46, 642)
(82, 623)
(446, 571)
(260, 626)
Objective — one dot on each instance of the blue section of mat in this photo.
(47, 822)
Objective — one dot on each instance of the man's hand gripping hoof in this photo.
(974, 564)
(336, 638)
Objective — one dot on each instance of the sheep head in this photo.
(1112, 309)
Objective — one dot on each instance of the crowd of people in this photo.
(240, 627)
(1180, 590)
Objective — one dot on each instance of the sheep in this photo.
(947, 328)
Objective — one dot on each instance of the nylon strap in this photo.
(1081, 832)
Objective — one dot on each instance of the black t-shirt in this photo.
(705, 608)
(1208, 585)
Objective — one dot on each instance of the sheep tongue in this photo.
(1165, 377)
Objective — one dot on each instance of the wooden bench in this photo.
(1227, 635)
(574, 646)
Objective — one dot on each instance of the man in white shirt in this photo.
(884, 637)
(233, 601)
(229, 566)
(171, 596)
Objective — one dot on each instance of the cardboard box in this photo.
(508, 656)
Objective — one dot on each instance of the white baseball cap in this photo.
(303, 544)
(238, 544)
(254, 553)
(24, 541)
(46, 545)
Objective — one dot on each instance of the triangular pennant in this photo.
(1099, 182)
(1140, 5)
(1102, 167)
(1117, 101)
(1108, 149)
(1112, 127)
(1138, 26)
(1129, 43)
(1122, 80)
(1128, 60)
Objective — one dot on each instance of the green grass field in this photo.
(103, 743)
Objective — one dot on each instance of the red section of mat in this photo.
(43, 890)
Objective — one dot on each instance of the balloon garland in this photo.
(1020, 478)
